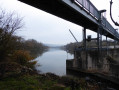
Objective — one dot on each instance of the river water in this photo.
(53, 61)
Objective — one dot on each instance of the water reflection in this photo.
(53, 61)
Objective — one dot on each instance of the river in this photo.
(53, 61)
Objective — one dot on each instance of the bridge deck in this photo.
(81, 12)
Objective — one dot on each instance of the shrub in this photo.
(22, 57)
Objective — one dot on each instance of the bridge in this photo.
(80, 12)
(85, 14)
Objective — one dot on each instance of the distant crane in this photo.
(73, 35)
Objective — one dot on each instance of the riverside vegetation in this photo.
(90, 44)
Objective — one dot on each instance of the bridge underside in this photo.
(58, 8)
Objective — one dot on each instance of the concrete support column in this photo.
(98, 39)
(106, 45)
(114, 43)
(85, 46)
(84, 38)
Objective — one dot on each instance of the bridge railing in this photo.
(109, 27)
(94, 12)
(89, 7)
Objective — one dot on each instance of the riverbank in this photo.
(17, 77)
(27, 79)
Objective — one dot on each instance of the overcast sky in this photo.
(50, 29)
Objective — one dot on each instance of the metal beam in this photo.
(81, 12)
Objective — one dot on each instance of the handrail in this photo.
(95, 13)
(109, 27)
(89, 7)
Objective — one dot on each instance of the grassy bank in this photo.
(18, 77)
(41, 82)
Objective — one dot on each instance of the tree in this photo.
(34, 47)
(9, 24)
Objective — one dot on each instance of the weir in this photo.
(89, 63)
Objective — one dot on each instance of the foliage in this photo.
(20, 83)
(9, 68)
(9, 24)
(72, 46)
(34, 47)
(11, 45)
(21, 57)
(28, 82)
(45, 82)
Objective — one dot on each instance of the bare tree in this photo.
(9, 23)
(116, 23)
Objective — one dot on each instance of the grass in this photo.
(20, 83)
(45, 82)
(17, 77)
(30, 82)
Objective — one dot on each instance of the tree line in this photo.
(14, 48)
(72, 46)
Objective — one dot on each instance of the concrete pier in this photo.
(106, 65)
